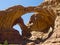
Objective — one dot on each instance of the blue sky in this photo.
(4, 4)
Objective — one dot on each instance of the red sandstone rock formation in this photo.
(12, 36)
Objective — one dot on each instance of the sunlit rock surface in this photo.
(14, 36)
(55, 38)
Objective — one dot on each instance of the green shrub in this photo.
(6, 42)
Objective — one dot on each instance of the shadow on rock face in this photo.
(12, 36)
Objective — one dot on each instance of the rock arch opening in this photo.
(26, 18)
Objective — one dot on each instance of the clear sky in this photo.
(4, 4)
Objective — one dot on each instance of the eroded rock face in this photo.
(10, 17)
(43, 20)
(45, 10)
(55, 38)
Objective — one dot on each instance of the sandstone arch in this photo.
(10, 17)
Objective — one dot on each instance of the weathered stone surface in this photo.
(9, 18)
(55, 38)
(42, 21)
(31, 43)
(46, 12)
